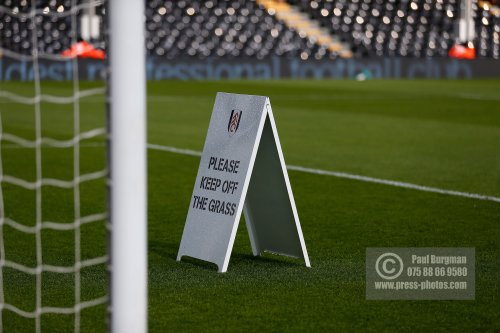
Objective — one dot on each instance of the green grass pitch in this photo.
(444, 134)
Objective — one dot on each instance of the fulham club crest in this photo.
(234, 122)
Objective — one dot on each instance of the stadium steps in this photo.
(300, 22)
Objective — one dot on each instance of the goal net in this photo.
(72, 174)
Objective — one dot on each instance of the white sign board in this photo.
(242, 169)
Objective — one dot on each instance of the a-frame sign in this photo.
(242, 169)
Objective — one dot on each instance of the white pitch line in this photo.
(174, 150)
(394, 183)
(350, 176)
(337, 174)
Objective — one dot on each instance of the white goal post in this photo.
(126, 172)
(127, 93)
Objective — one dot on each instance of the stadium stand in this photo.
(402, 28)
(239, 28)
(16, 29)
(53, 26)
(488, 30)
(413, 28)
(221, 28)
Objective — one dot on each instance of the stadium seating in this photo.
(52, 31)
(379, 27)
(236, 28)
(240, 28)
(488, 31)
(415, 28)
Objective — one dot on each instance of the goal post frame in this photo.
(127, 179)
